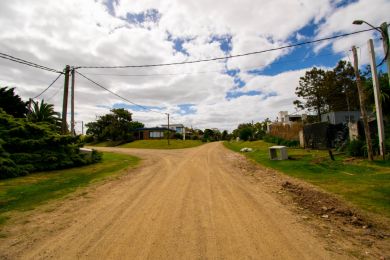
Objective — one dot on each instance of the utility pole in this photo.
(72, 104)
(378, 103)
(362, 99)
(82, 127)
(386, 45)
(169, 130)
(64, 127)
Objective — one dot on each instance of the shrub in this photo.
(280, 141)
(355, 148)
(26, 147)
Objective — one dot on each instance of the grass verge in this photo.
(25, 193)
(162, 144)
(364, 184)
(105, 144)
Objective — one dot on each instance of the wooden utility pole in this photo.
(64, 127)
(378, 103)
(72, 104)
(169, 130)
(362, 99)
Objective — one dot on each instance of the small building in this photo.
(151, 133)
(340, 117)
(285, 118)
(178, 128)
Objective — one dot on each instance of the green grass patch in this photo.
(25, 193)
(363, 183)
(106, 144)
(162, 144)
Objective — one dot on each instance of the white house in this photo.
(179, 128)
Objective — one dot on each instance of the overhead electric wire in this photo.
(225, 57)
(119, 96)
(205, 72)
(47, 87)
(28, 63)
(55, 94)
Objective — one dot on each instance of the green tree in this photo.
(311, 89)
(116, 126)
(11, 103)
(244, 132)
(342, 89)
(224, 135)
(44, 112)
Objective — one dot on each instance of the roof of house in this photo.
(152, 129)
(173, 125)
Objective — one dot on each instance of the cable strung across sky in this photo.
(28, 63)
(47, 87)
(225, 57)
(115, 94)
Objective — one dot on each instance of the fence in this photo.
(324, 135)
(287, 132)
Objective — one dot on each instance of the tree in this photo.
(224, 135)
(116, 126)
(44, 112)
(342, 97)
(311, 89)
(244, 132)
(332, 90)
(384, 87)
(11, 103)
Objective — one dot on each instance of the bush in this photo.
(280, 141)
(26, 147)
(178, 136)
(355, 148)
(88, 139)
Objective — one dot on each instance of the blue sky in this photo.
(218, 94)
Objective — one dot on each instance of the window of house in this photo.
(156, 134)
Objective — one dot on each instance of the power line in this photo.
(55, 94)
(28, 63)
(225, 57)
(123, 98)
(204, 72)
(47, 87)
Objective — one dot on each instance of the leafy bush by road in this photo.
(26, 147)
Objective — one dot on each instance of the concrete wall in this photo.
(340, 117)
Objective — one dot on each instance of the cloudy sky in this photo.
(219, 94)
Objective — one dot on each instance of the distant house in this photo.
(285, 118)
(150, 133)
(178, 128)
(339, 117)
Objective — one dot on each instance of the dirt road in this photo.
(180, 204)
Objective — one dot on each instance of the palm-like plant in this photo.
(43, 112)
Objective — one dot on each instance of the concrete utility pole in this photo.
(378, 103)
(72, 104)
(386, 45)
(362, 99)
(383, 29)
(64, 127)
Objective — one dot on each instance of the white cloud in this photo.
(54, 33)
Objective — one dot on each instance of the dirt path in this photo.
(180, 204)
